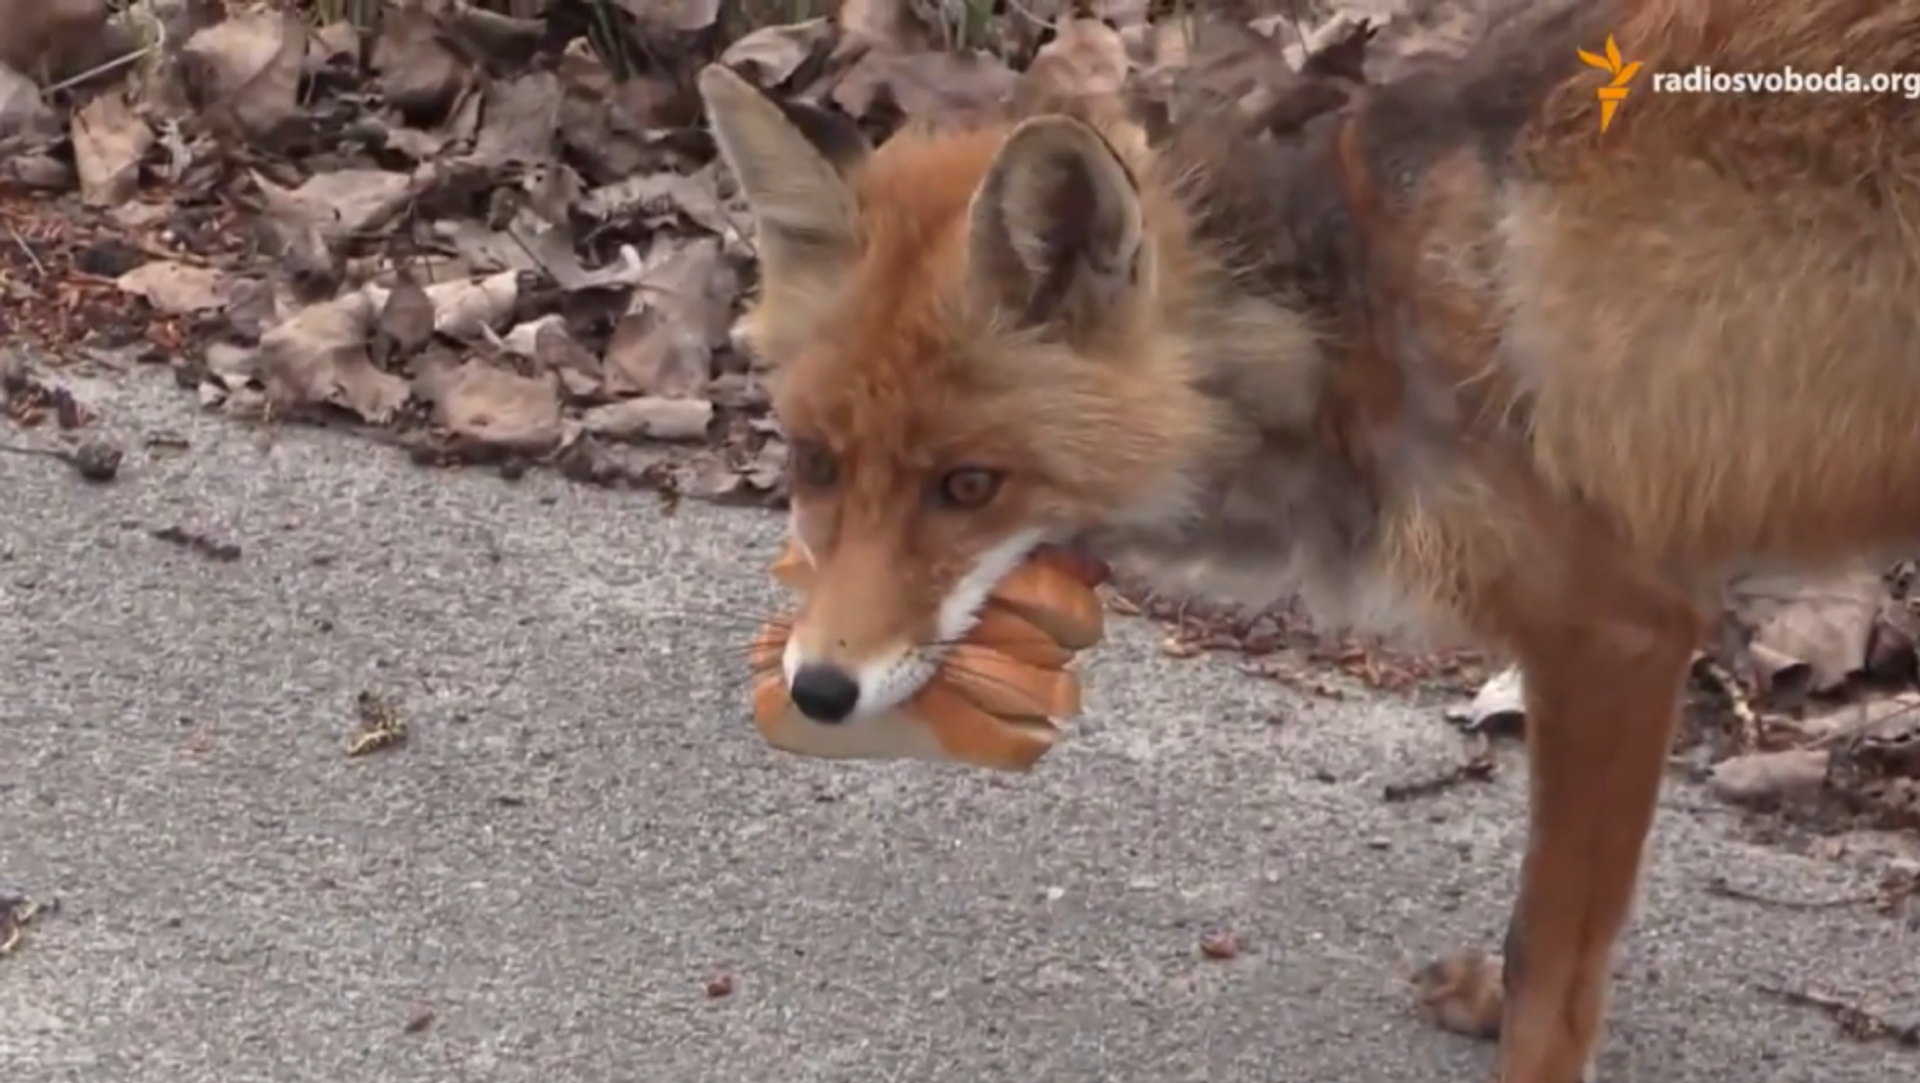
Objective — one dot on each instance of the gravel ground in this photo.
(583, 839)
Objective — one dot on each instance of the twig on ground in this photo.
(94, 460)
(1854, 1021)
(38, 267)
(124, 60)
(1721, 887)
(197, 543)
(1738, 705)
(1478, 767)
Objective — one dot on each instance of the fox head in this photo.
(964, 330)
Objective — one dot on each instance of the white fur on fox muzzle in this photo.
(890, 678)
(885, 680)
(961, 607)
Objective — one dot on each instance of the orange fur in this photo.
(1445, 356)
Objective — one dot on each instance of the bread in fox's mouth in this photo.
(982, 707)
(992, 702)
(939, 724)
(1051, 591)
(1054, 590)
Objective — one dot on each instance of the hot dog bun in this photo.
(1000, 629)
(993, 699)
(1051, 592)
(938, 725)
(1053, 597)
(1006, 686)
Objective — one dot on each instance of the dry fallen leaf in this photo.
(263, 105)
(1781, 677)
(419, 74)
(320, 356)
(650, 418)
(554, 349)
(520, 120)
(926, 86)
(523, 245)
(682, 15)
(1824, 621)
(1844, 721)
(406, 322)
(659, 197)
(465, 310)
(1499, 705)
(769, 56)
(682, 311)
(175, 288)
(1767, 778)
(109, 140)
(491, 407)
(221, 58)
(337, 203)
(246, 70)
(1874, 769)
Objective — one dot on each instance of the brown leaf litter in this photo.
(247, 201)
(1823, 671)
(484, 235)
(1808, 702)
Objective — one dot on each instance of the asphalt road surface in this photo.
(584, 832)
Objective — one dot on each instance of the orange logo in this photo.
(1615, 91)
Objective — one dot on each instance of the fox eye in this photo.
(813, 465)
(969, 487)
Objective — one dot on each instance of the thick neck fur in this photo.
(1281, 496)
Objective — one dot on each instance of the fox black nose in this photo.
(824, 693)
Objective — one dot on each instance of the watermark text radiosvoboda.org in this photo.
(1703, 79)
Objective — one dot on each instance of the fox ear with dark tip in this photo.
(1055, 232)
(791, 162)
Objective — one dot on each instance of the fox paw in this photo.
(1462, 993)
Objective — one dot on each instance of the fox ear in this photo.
(791, 162)
(1055, 230)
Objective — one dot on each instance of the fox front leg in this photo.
(1602, 703)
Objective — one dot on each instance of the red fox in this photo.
(1437, 352)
